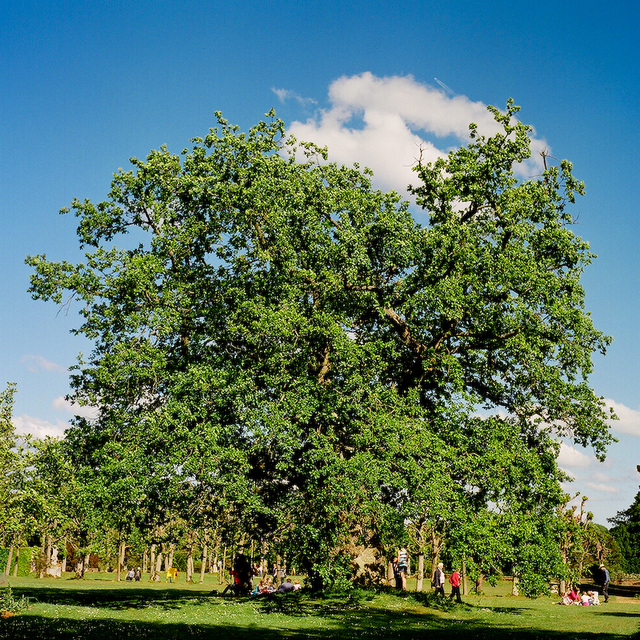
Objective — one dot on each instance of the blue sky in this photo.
(85, 86)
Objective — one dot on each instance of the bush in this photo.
(10, 604)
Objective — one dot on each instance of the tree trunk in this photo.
(121, 551)
(169, 557)
(465, 586)
(190, 543)
(203, 566)
(42, 565)
(152, 563)
(158, 566)
(514, 586)
(63, 569)
(145, 561)
(278, 565)
(16, 562)
(420, 572)
(7, 570)
(49, 552)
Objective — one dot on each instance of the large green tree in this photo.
(279, 341)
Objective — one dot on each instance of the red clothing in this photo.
(454, 579)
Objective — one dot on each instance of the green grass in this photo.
(99, 608)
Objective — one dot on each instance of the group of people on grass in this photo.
(584, 598)
(588, 598)
(134, 575)
(242, 580)
(400, 565)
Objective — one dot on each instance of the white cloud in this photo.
(629, 421)
(384, 123)
(62, 404)
(286, 94)
(604, 488)
(37, 427)
(570, 457)
(34, 364)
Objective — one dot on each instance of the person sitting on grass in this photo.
(585, 598)
(260, 588)
(574, 596)
(235, 586)
(286, 586)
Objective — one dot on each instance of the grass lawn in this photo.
(100, 608)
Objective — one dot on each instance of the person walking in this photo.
(604, 581)
(403, 566)
(438, 579)
(454, 581)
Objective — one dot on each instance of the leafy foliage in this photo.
(279, 346)
(626, 531)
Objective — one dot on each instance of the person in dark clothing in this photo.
(286, 586)
(604, 582)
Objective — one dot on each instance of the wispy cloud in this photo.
(387, 123)
(602, 487)
(286, 94)
(62, 404)
(34, 364)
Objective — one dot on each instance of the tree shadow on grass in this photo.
(295, 616)
(377, 627)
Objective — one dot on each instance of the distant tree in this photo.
(279, 341)
(626, 531)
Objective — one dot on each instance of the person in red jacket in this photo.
(454, 581)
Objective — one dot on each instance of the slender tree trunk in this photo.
(7, 570)
(190, 543)
(172, 548)
(158, 566)
(145, 561)
(515, 591)
(17, 560)
(122, 546)
(420, 572)
(278, 565)
(152, 563)
(203, 565)
(49, 550)
(63, 569)
(465, 586)
(43, 557)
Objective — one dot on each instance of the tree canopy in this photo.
(279, 342)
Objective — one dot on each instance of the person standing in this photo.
(403, 566)
(604, 581)
(454, 581)
(438, 579)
